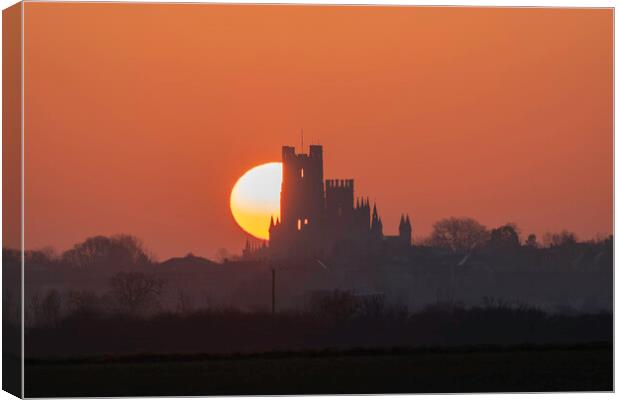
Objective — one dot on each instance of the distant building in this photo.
(318, 217)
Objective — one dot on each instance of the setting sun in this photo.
(255, 198)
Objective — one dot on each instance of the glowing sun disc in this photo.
(255, 198)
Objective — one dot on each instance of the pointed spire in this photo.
(271, 223)
(407, 221)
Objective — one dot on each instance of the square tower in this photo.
(302, 194)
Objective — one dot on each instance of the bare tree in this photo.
(42, 257)
(531, 241)
(372, 305)
(120, 251)
(185, 302)
(504, 239)
(336, 304)
(51, 307)
(563, 238)
(458, 235)
(82, 302)
(44, 310)
(135, 292)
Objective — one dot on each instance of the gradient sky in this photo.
(139, 118)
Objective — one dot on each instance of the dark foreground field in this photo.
(534, 369)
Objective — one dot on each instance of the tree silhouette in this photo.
(44, 310)
(120, 251)
(505, 239)
(531, 241)
(458, 235)
(564, 238)
(81, 302)
(135, 292)
(336, 304)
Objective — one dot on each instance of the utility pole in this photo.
(273, 290)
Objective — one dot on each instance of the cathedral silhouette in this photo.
(318, 217)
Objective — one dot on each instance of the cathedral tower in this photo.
(404, 230)
(302, 194)
(320, 216)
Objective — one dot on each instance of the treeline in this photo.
(339, 320)
(460, 262)
(129, 293)
(455, 235)
(462, 235)
(111, 253)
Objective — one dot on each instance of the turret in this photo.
(376, 226)
(316, 151)
(404, 230)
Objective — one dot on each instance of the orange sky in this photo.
(139, 117)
